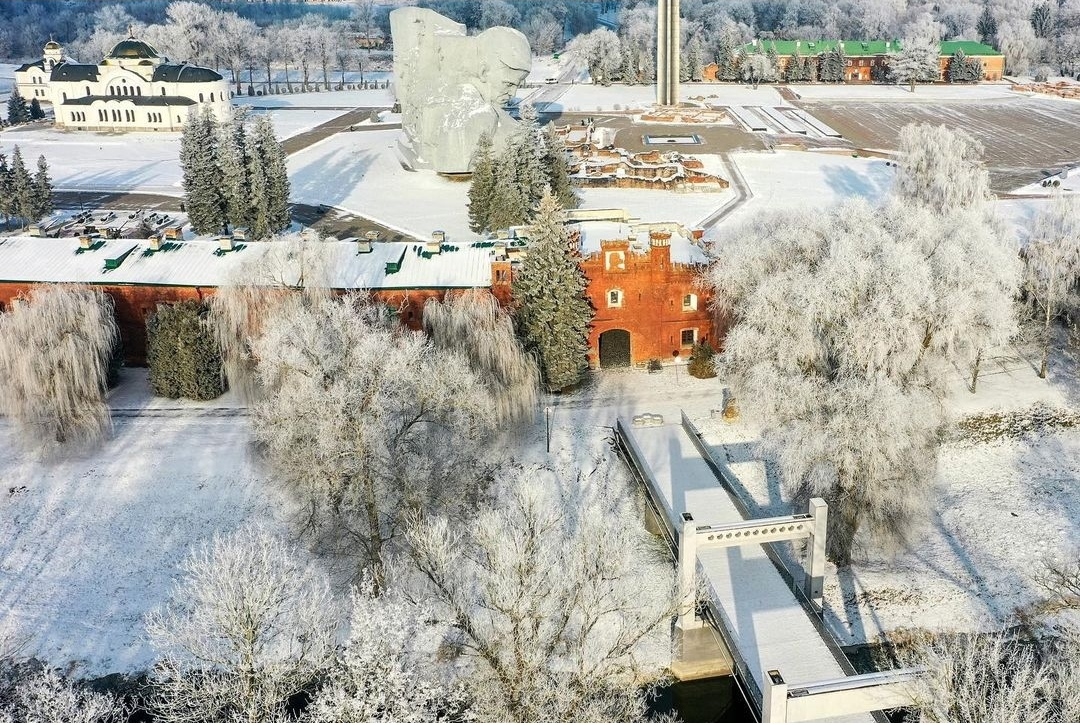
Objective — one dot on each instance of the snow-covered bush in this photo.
(181, 353)
(474, 325)
(56, 345)
(701, 363)
(1052, 266)
(250, 625)
(45, 696)
(941, 167)
(561, 600)
(367, 421)
(387, 671)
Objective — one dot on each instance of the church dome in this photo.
(132, 49)
(52, 45)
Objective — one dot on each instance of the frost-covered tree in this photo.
(987, 26)
(55, 348)
(553, 313)
(240, 309)
(941, 167)
(844, 326)
(558, 168)
(249, 625)
(756, 68)
(367, 421)
(474, 325)
(963, 69)
(831, 64)
(35, 110)
(481, 185)
(600, 51)
(45, 696)
(1018, 44)
(268, 178)
(1052, 266)
(200, 160)
(17, 110)
(234, 150)
(558, 597)
(525, 168)
(387, 670)
(917, 62)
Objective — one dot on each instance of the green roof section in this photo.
(860, 47)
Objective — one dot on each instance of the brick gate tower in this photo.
(668, 42)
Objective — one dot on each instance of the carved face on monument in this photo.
(452, 87)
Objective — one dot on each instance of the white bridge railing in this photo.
(783, 702)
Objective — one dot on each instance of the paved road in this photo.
(342, 123)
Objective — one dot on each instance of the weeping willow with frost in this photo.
(239, 310)
(55, 348)
(474, 325)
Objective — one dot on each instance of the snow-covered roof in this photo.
(199, 264)
(684, 249)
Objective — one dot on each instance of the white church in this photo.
(132, 89)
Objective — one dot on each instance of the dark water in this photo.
(716, 699)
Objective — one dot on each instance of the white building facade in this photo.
(132, 89)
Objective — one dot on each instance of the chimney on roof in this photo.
(434, 245)
(363, 246)
(225, 243)
(155, 243)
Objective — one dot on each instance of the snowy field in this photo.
(922, 94)
(289, 122)
(792, 179)
(589, 98)
(7, 77)
(90, 544)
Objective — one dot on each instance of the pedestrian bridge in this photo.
(732, 579)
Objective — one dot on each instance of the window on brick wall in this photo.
(614, 298)
(689, 337)
(689, 302)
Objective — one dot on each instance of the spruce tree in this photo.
(234, 146)
(7, 194)
(43, 190)
(553, 314)
(482, 185)
(793, 69)
(258, 189)
(274, 168)
(35, 110)
(18, 111)
(200, 157)
(774, 61)
(22, 188)
(558, 169)
(986, 26)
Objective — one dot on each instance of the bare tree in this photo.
(557, 594)
(982, 678)
(56, 345)
(367, 421)
(844, 324)
(1052, 267)
(387, 671)
(473, 324)
(45, 696)
(249, 625)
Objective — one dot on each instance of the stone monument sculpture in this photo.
(452, 87)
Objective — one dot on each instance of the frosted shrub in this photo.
(473, 324)
(56, 345)
(941, 167)
(561, 601)
(366, 420)
(45, 696)
(249, 625)
(182, 354)
(387, 671)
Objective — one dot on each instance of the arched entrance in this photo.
(615, 349)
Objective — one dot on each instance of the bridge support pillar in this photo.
(774, 699)
(815, 555)
(688, 574)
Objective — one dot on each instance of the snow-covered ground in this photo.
(7, 77)
(589, 98)
(91, 543)
(1069, 185)
(790, 179)
(289, 122)
(923, 93)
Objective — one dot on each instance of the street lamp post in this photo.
(547, 423)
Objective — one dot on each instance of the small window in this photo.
(64, 95)
(200, 98)
(689, 302)
(163, 91)
(689, 337)
(88, 90)
(614, 298)
(212, 100)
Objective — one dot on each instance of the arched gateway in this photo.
(615, 349)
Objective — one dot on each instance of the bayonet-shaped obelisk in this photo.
(668, 43)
